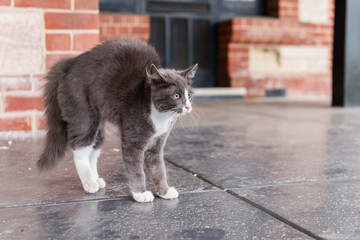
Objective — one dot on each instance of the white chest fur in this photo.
(161, 121)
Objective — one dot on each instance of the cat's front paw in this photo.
(146, 196)
(101, 182)
(171, 193)
(90, 186)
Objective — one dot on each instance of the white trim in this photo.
(219, 91)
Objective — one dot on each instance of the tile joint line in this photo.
(259, 207)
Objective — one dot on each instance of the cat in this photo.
(121, 82)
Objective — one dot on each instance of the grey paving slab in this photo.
(22, 184)
(255, 150)
(331, 210)
(206, 215)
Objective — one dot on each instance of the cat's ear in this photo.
(154, 74)
(190, 72)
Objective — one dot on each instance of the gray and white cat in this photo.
(119, 81)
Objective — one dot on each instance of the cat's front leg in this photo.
(154, 161)
(133, 154)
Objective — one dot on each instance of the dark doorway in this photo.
(184, 31)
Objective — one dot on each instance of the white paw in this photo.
(101, 182)
(146, 196)
(171, 193)
(90, 186)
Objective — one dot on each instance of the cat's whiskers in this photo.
(194, 117)
(182, 125)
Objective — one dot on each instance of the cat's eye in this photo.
(189, 95)
(176, 96)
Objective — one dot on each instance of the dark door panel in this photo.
(179, 43)
(157, 36)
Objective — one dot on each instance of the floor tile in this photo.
(260, 150)
(330, 210)
(206, 215)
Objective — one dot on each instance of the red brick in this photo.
(15, 83)
(15, 123)
(123, 30)
(51, 59)
(5, 2)
(249, 22)
(144, 30)
(87, 4)
(260, 23)
(244, 58)
(326, 42)
(238, 22)
(130, 18)
(284, 9)
(110, 30)
(85, 41)
(58, 42)
(71, 20)
(119, 18)
(105, 18)
(294, 8)
(63, 4)
(238, 49)
(144, 19)
(22, 103)
(103, 38)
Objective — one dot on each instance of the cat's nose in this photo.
(188, 107)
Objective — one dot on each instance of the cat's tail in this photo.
(56, 136)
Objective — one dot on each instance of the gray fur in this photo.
(117, 81)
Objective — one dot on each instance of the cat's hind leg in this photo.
(95, 153)
(83, 167)
(82, 122)
(82, 141)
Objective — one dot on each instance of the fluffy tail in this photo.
(56, 137)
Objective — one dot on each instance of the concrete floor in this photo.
(269, 169)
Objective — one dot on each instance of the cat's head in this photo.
(171, 89)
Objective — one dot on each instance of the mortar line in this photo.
(321, 181)
(248, 201)
(65, 203)
(121, 198)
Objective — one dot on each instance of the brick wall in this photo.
(34, 34)
(114, 25)
(292, 51)
(288, 9)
